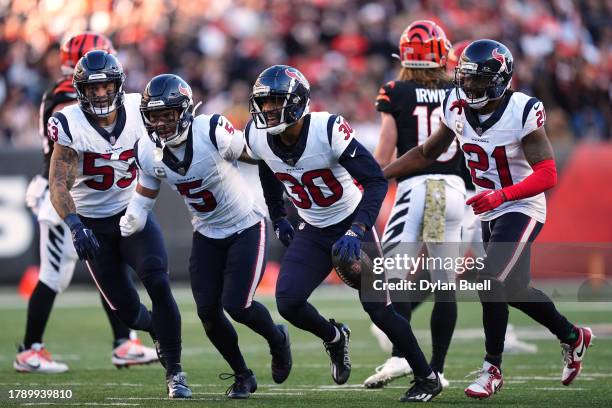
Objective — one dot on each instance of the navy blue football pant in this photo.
(224, 276)
(146, 254)
(307, 262)
(507, 241)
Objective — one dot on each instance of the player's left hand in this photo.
(486, 201)
(132, 223)
(348, 247)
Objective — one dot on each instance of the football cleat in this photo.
(445, 383)
(423, 390)
(339, 354)
(37, 359)
(132, 352)
(244, 384)
(281, 357)
(393, 368)
(177, 386)
(574, 353)
(488, 382)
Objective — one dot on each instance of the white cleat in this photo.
(132, 352)
(383, 341)
(488, 382)
(37, 359)
(574, 353)
(513, 345)
(393, 368)
(443, 381)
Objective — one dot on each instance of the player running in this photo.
(57, 254)
(315, 156)
(510, 158)
(197, 158)
(92, 176)
(429, 203)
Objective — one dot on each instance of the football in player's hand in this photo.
(351, 272)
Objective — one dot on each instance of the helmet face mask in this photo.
(98, 79)
(167, 110)
(280, 98)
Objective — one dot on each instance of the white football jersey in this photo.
(207, 177)
(323, 191)
(106, 174)
(493, 150)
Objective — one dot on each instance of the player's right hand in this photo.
(132, 223)
(35, 192)
(284, 230)
(84, 240)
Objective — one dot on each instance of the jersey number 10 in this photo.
(427, 124)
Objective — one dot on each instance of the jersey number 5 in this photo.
(107, 172)
(301, 198)
(206, 199)
(482, 164)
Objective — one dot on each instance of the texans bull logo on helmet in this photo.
(502, 60)
(297, 75)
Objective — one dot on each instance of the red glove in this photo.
(486, 201)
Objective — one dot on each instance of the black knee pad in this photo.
(289, 307)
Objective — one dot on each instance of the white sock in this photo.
(431, 376)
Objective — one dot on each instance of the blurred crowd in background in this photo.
(562, 51)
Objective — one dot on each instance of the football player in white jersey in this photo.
(501, 133)
(197, 158)
(57, 255)
(92, 177)
(315, 158)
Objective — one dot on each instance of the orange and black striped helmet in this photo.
(423, 45)
(78, 45)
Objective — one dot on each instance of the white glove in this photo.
(130, 224)
(35, 192)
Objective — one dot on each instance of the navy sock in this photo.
(39, 309)
(443, 320)
(305, 316)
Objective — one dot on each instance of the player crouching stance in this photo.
(92, 174)
(196, 157)
(502, 135)
(316, 157)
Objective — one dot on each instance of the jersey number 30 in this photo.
(304, 193)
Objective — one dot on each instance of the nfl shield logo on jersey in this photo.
(459, 127)
(160, 172)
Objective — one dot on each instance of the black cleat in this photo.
(339, 354)
(281, 357)
(423, 390)
(244, 384)
(177, 386)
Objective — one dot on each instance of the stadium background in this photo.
(561, 49)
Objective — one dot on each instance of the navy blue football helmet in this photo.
(484, 72)
(280, 98)
(99, 66)
(167, 109)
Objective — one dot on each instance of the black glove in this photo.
(284, 230)
(84, 240)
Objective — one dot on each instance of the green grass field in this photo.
(78, 334)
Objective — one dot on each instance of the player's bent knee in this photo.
(153, 265)
(209, 313)
(289, 308)
(237, 312)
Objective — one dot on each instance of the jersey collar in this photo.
(111, 137)
(290, 154)
(173, 163)
(480, 128)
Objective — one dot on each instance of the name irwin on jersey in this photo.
(425, 95)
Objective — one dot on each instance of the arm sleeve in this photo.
(230, 142)
(273, 192)
(534, 116)
(362, 166)
(544, 176)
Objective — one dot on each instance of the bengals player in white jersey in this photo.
(502, 135)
